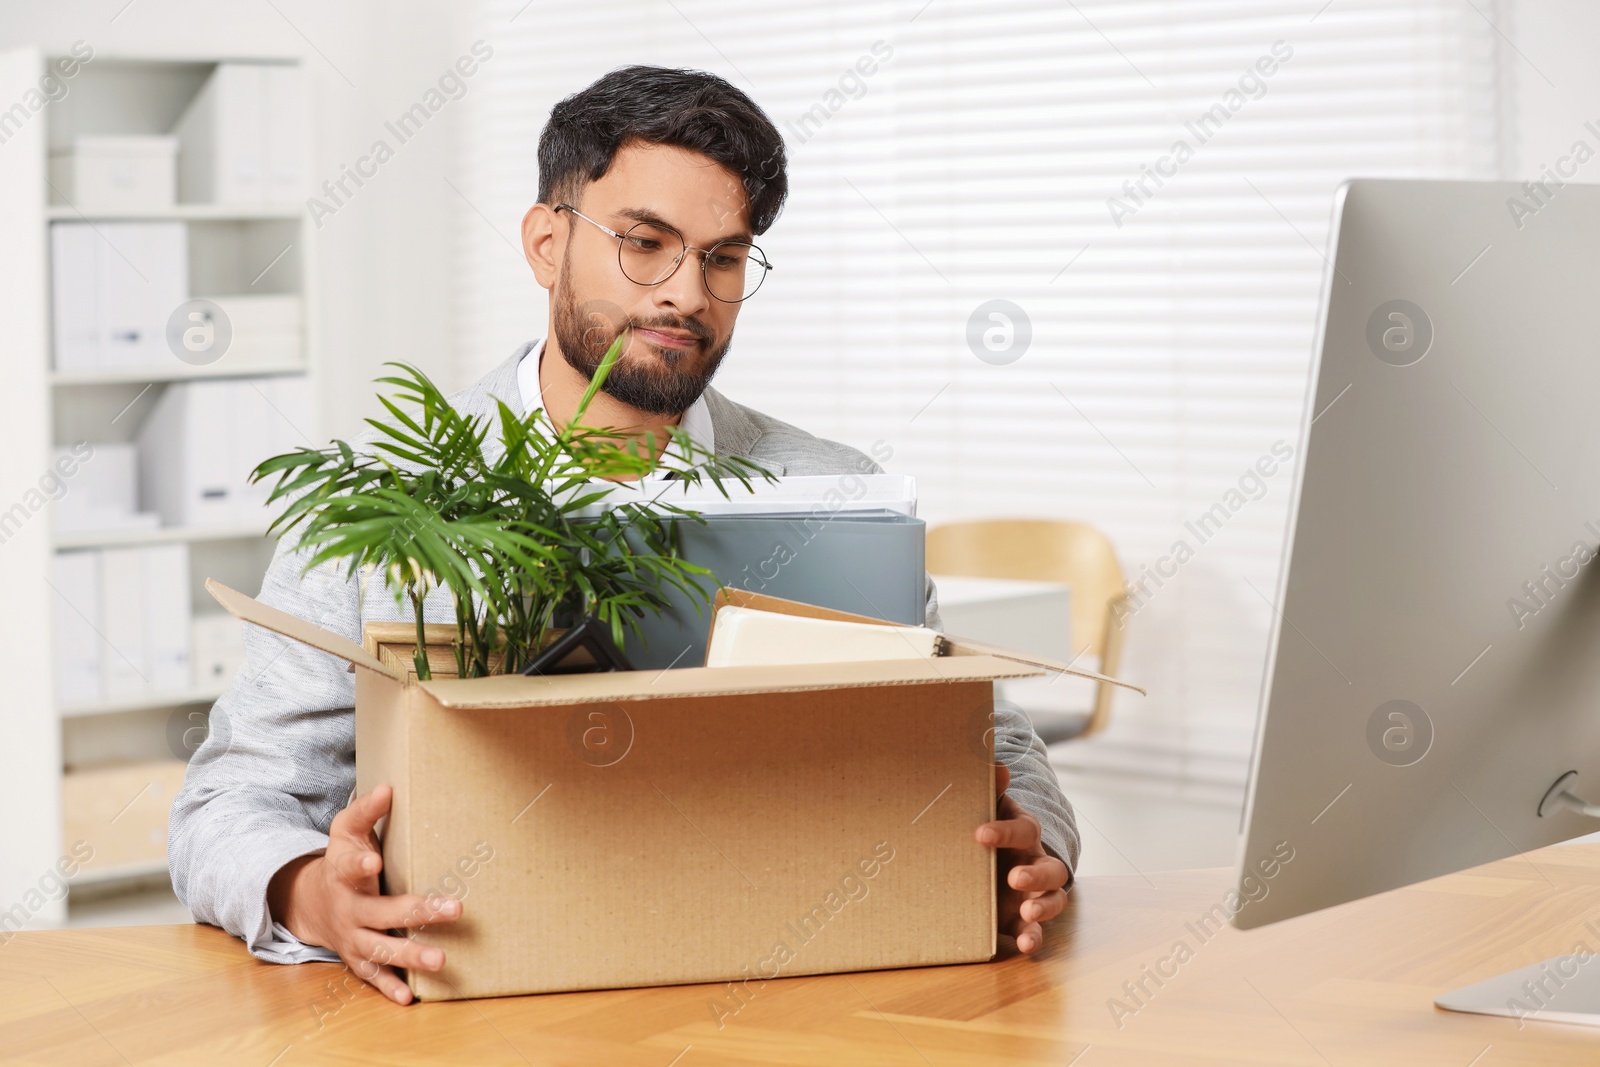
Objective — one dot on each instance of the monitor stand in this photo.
(1563, 989)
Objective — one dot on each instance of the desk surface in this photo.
(1352, 985)
(1028, 616)
(960, 589)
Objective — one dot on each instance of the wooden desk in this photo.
(1353, 985)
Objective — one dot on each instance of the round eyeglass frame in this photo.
(757, 255)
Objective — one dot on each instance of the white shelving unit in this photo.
(180, 373)
(45, 408)
(164, 535)
(155, 703)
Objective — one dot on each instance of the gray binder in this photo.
(870, 563)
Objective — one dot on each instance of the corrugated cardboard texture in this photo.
(693, 825)
(281, 622)
(383, 755)
(691, 839)
(516, 691)
(394, 642)
(966, 646)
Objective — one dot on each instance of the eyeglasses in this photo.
(649, 254)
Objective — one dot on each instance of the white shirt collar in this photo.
(696, 421)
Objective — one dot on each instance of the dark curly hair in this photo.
(689, 109)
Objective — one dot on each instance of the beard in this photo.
(659, 386)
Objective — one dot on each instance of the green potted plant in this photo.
(514, 534)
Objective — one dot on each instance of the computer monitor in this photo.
(1431, 698)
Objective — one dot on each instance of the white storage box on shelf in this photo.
(119, 811)
(103, 492)
(109, 314)
(201, 440)
(121, 173)
(240, 138)
(267, 328)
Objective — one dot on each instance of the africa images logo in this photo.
(1399, 333)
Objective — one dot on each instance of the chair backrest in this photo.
(1048, 550)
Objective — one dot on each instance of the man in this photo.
(653, 185)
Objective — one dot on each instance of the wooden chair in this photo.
(1048, 550)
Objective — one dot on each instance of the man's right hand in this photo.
(332, 900)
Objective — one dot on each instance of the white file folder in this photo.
(284, 120)
(241, 137)
(221, 136)
(167, 616)
(114, 285)
(201, 440)
(123, 670)
(75, 628)
(745, 637)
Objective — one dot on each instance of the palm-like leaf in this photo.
(512, 538)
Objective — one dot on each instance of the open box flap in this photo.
(949, 645)
(966, 646)
(250, 609)
(519, 691)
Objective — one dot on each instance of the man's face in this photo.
(680, 332)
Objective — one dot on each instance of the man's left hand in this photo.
(1032, 883)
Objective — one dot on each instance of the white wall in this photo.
(385, 258)
(1552, 80)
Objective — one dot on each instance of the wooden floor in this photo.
(1353, 985)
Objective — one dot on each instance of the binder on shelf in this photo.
(124, 624)
(75, 628)
(114, 286)
(124, 671)
(240, 137)
(201, 440)
(76, 295)
(283, 151)
(167, 617)
(220, 138)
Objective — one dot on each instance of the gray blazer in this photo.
(279, 759)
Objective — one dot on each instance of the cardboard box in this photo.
(120, 810)
(701, 824)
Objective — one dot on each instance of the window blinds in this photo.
(1028, 152)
